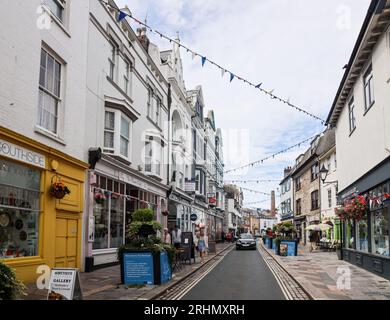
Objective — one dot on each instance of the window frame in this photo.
(368, 88)
(46, 91)
(112, 59)
(155, 159)
(314, 200)
(116, 151)
(351, 115)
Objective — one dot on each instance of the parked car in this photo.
(246, 241)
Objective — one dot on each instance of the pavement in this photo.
(104, 284)
(325, 277)
(241, 275)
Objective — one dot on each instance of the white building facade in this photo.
(286, 212)
(361, 115)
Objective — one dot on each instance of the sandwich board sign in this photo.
(64, 284)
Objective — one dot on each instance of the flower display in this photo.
(100, 197)
(356, 208)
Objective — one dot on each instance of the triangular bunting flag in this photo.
(203, 61)
(193, 55)
(258, 86)
(222, 72)
(121, 16)
(231, 77)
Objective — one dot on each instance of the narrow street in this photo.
(241, 275)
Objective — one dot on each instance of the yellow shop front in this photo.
(37, 228)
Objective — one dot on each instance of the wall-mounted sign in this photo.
(15, 152)
(193, 217)
(189, 186)
(64, 285)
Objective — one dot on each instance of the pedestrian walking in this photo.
(176, 237)
(223, 237)
(167, 237)
(313, 237)
(202, 244)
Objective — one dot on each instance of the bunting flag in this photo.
(203, 61)
(223, 72)
(255, 191)
(252, 181)
(123, 14)
(271, 156)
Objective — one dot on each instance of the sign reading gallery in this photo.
(15, 152)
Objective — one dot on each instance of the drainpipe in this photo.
(169, 131)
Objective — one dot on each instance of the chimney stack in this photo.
(273, 212)
(142, 37)
(287, 171)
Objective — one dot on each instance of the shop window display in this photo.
(362, 235)
(19, 210)
(380, 232)
(116, 222)
(350, 239)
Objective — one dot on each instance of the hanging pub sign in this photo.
(193, 217)
(211, 199)
(64, 284)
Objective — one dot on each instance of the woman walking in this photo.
(202, 244)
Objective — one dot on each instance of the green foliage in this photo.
(10, 287)
(143, 215)
(286, 229)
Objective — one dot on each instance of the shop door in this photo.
(66, 243)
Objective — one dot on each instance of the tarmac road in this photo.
(241, 275)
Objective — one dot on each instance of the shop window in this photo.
(380, 232)
(109, 222)
(350, 239)
(19, 210)
(362, 235)
(49, 92)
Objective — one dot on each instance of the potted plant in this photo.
(10, 287)
(57, 188)
(141, 238)
(165, 213)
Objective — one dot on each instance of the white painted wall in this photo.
(21, 42)
(366, 146)
(330, 163)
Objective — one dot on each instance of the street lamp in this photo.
(324, 173)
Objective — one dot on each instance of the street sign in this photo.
(193, 217)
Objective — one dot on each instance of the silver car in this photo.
(246, 241)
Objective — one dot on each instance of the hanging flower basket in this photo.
(58, 189)
(100, 197)
(341, 213)
(357, 208)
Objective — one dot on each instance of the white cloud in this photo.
(296, 47)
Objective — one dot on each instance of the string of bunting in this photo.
(252, 181)
(232, 75)
(272, 156)
(255, 191)
(256, 202)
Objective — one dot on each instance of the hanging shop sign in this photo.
(189, 186)
(15, 152)
(211, 199)
(193, 217)
(64, 284)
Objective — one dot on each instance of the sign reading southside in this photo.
(15, 152)
(64, 284)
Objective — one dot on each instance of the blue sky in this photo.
(297, 47)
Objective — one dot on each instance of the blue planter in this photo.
(145, 268)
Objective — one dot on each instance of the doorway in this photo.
(66, 243)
